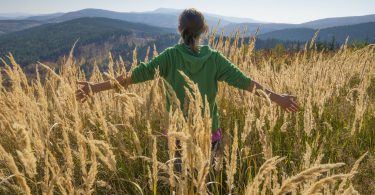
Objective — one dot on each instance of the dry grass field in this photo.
(113, 143)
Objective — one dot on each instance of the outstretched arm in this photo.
(88, 87)
(287, 102)
(143, 72)
(229, 73)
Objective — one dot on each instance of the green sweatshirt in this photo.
(205, 68)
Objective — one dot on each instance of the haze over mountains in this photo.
(48, 36)
(161, 17)
(339, 21)
(13, 16)
(357, 32)
(164, 17)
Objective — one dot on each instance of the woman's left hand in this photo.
(83, 92)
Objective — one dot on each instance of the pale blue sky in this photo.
(290, 11)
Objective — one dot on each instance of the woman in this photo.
(200, 63)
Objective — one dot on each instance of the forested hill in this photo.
(8, 26)
(97, 36)
(358, 32)
(338, 21)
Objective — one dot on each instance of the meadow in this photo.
(113, 143)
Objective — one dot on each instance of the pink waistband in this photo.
(216, 136)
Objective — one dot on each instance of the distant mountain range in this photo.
(215, 17)
(45, 17)
(47, 37)
(8, 26)
(316, 24)
(252, 27)
(164, 17)
(160, 17)
(357, 32)
(339, 21)
(13, 16)
(97, 37)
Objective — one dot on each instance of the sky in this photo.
(280, 11)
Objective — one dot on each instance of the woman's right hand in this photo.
(287, 102)
(84, 91)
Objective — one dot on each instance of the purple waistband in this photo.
(215, 136)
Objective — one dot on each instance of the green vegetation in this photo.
(50, 41)
(7, 26)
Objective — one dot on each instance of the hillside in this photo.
(358, 32)
(315, 24)
(291, 34)
(162, 17)
(252, 27)
(168, 18)
(96, 37)
(338, 21)
(45, 17)
(7, 26)
(209, 16)
(162, 20)
(14, 16)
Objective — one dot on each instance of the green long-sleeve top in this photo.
(205, 68)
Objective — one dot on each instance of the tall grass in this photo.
(52, 144)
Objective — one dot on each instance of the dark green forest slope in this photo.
(358, 32)
(96, 36)
(8, 26)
